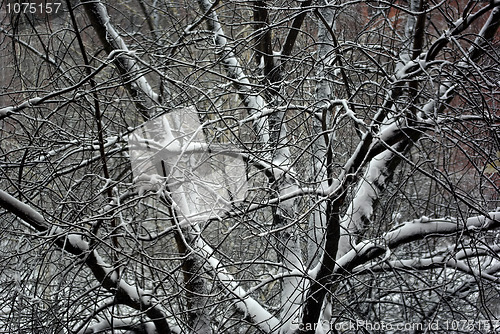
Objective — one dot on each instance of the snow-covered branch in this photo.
(129, 324)
(268, 195)
(245, 303)
(382, 166)
(423, 227)
(104, 273)
(414, 230)
(437, 261)
(126, 62)
(254, 102)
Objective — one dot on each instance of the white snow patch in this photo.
(77, 241)
(19, 208)
(4, 112)
(361, 207)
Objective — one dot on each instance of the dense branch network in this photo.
(341, 132)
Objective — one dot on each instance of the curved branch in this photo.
(414, 230)
(104, 273)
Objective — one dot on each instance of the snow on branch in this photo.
(462, 24)
(361, 207)
(104, 273)
(414, 230)
(272, 132)
(437, 261)
(253, 102)
(170, 139)
(423, 227)
(410, 68)
(246, 304)
(370, 186)
(112, 42)
(23, 211)
(129, 324)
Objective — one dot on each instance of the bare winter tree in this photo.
(249, 167)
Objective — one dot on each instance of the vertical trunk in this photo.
(196, 294)
(313, 305)
(418, 43)
(324, 221)
(320, 148)
(265, 56)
